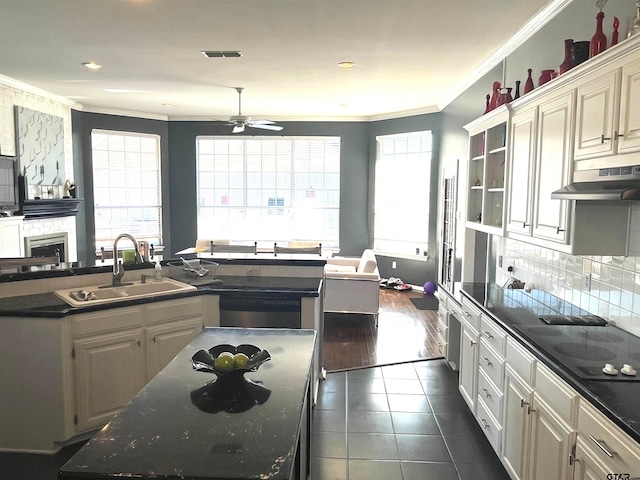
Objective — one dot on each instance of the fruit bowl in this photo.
(228, 360)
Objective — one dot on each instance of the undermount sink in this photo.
(96, 294)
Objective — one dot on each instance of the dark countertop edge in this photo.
(63, 310)
(68, 269)
(562, 372)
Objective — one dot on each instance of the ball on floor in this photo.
(429, 287)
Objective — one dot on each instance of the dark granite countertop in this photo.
(50, 305)
(169, 430)
(518, 313)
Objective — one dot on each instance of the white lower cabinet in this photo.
(468, 377)
(603, 447)
(516, 418)
(551, 443)
(116, 352)
(164, 342)
(108, 371)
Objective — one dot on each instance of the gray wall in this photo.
(82, 124)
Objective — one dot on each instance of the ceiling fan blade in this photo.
(260, 122)
(238, 128)
(275, 128)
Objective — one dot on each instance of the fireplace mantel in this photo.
(47, 208)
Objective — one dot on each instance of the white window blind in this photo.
(126, 186)
(265, 189)
(402, 183)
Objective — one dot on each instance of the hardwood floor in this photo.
(404, 334)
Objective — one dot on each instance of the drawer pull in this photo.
(487, 361)
(467, 313)
(484, 423)
(439, 344)
(487, 334)
(485, 392)
(439, 330)
(602, 446)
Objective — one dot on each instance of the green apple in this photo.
(241, 360)
(224, 362)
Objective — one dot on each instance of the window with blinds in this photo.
(266, 189)
(126, 186)
(402, 185)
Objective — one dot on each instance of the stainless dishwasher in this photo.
(259, 311)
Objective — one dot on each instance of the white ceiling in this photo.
(412, 56)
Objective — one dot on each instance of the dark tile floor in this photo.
(400, 422)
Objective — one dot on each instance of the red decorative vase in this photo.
(505, 96)
(528, 85)
(567, 64)
(599, 39)
(545, 76)
(494, 98)
(614, 34)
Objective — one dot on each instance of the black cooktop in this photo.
(573, 320)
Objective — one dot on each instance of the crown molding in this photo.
(25, 87)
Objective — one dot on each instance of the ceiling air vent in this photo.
(221, 54)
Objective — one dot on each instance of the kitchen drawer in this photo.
(443, 315)
(492, 364)
(521, 361)
(113, 319)
(493, 334)
(443, 299)
(175, 309)
(470, 314)
(489, 426)
(443, 324)
(601, 434)
(492, 398)
(555, 392)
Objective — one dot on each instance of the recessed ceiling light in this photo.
(92, 65)
(221, 53)
(347, 64)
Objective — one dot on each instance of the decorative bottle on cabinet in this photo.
(528, 85)
(517, 94)
(599, 39)
(494, 98)
(614, 34)
(635, 28)
(567, 64)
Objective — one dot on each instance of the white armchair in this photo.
(353, 284)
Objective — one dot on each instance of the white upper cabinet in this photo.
(540, 163)
(597, 110)
(523, 151)
(553, 167)
(487, 169)
(630, 108)
(608, 114)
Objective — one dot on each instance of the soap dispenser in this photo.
(157, 276)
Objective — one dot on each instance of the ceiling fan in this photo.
(240, 122)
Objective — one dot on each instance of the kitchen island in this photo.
(183, 425)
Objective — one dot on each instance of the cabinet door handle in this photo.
(525, 224)
(523, 403)
(487, 334)
(618, 135)
(530, 410)
(602, 446)
(603, 138)
(485, 392)
(472, 343)
(139, 343)
(484, 423)
(558, 230)
(439, 344)
(487, 361)
(154, 339)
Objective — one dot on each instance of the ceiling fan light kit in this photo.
(240, 122)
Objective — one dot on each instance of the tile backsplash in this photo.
(608, 286)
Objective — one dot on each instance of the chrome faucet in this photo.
(118, 268)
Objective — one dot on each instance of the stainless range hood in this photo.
(606, 184)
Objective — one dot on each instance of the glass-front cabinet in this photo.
(487, 171)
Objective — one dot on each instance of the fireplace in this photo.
(47, 245)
